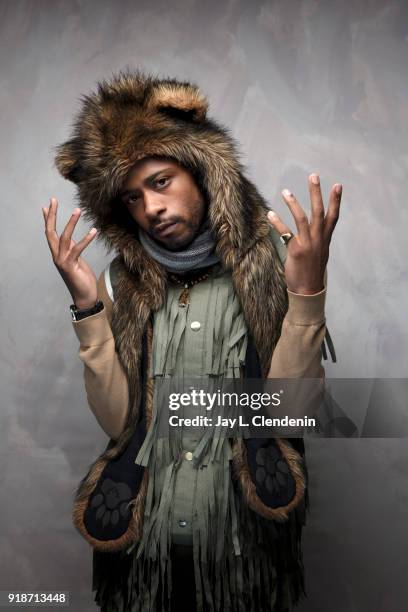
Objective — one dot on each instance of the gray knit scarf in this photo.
(200, 253)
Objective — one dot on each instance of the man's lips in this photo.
(163, 228)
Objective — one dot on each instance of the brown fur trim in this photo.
(150, 380)
(248, 488)
(261, 290)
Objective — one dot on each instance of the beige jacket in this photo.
(297, 354)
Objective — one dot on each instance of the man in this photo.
(196, 289)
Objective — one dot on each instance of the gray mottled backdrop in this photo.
(304, 86)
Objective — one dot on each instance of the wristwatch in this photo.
(78, 313)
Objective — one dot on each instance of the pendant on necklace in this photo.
(184, 297)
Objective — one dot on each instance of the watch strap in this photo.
(81, 313)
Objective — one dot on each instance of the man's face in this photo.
(164, 199)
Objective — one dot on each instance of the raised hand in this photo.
(308, 251)
(77, 275)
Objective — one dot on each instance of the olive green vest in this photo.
(207, 338)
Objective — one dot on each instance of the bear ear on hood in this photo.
(184, 101)
(67, 160)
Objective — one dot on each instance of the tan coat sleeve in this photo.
(298, 354)
(105, 380)
(298, 351)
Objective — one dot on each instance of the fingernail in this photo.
(315, 179)
(338, 188)
(287, 193)
(93, 230)
(271, 213)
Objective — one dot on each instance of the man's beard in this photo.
(179, 243)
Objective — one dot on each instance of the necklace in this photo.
(184, 298)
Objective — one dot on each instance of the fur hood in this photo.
(134, 115)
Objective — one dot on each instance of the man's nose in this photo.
(154, 206)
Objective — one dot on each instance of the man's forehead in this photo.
(149, 165)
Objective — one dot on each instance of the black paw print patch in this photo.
(112, 502)
(272, 472)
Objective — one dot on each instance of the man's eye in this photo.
(162, 181)
(132, 199)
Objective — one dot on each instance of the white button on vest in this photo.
(188, 456)
(195, 325)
